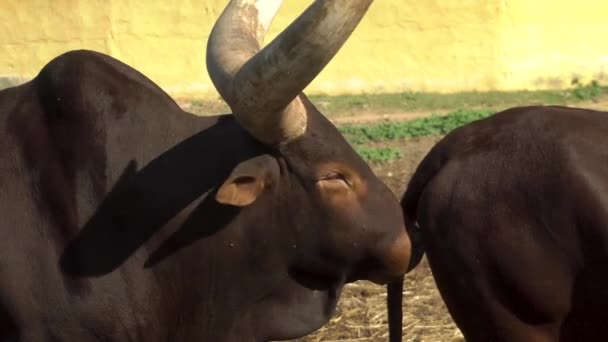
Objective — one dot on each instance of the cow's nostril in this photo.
(316, 279)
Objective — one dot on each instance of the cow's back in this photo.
(527, 158)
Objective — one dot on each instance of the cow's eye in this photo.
(335, 177)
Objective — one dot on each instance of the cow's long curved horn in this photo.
(261, 87)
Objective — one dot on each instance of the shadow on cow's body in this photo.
(112, 229)
(513, 211)
(142, 201)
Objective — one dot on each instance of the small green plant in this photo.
(360, 135)
(433, 125)
(586, 92)
(341, 105)
(378, 155)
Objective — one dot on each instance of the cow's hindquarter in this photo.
(503, 271)
(588, 154)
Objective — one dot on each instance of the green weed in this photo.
(361, 135)
(345, 105)
(586, 92)
(378, 155)
(412, 101)
(433, 125)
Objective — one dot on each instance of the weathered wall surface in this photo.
(401, 45)
(549, 43)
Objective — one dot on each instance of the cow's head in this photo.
(340, 222)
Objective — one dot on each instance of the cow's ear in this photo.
(248, 181)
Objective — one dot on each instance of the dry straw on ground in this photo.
(362, 316)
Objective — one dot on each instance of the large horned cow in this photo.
(513, 213)
(126, 219)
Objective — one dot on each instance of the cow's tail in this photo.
(425, 172)
(394, 300)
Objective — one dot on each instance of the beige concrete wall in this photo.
(401, 45)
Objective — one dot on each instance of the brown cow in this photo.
(125, 218)
(513, 211)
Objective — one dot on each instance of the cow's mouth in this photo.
(316, 279)
(373, 270)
